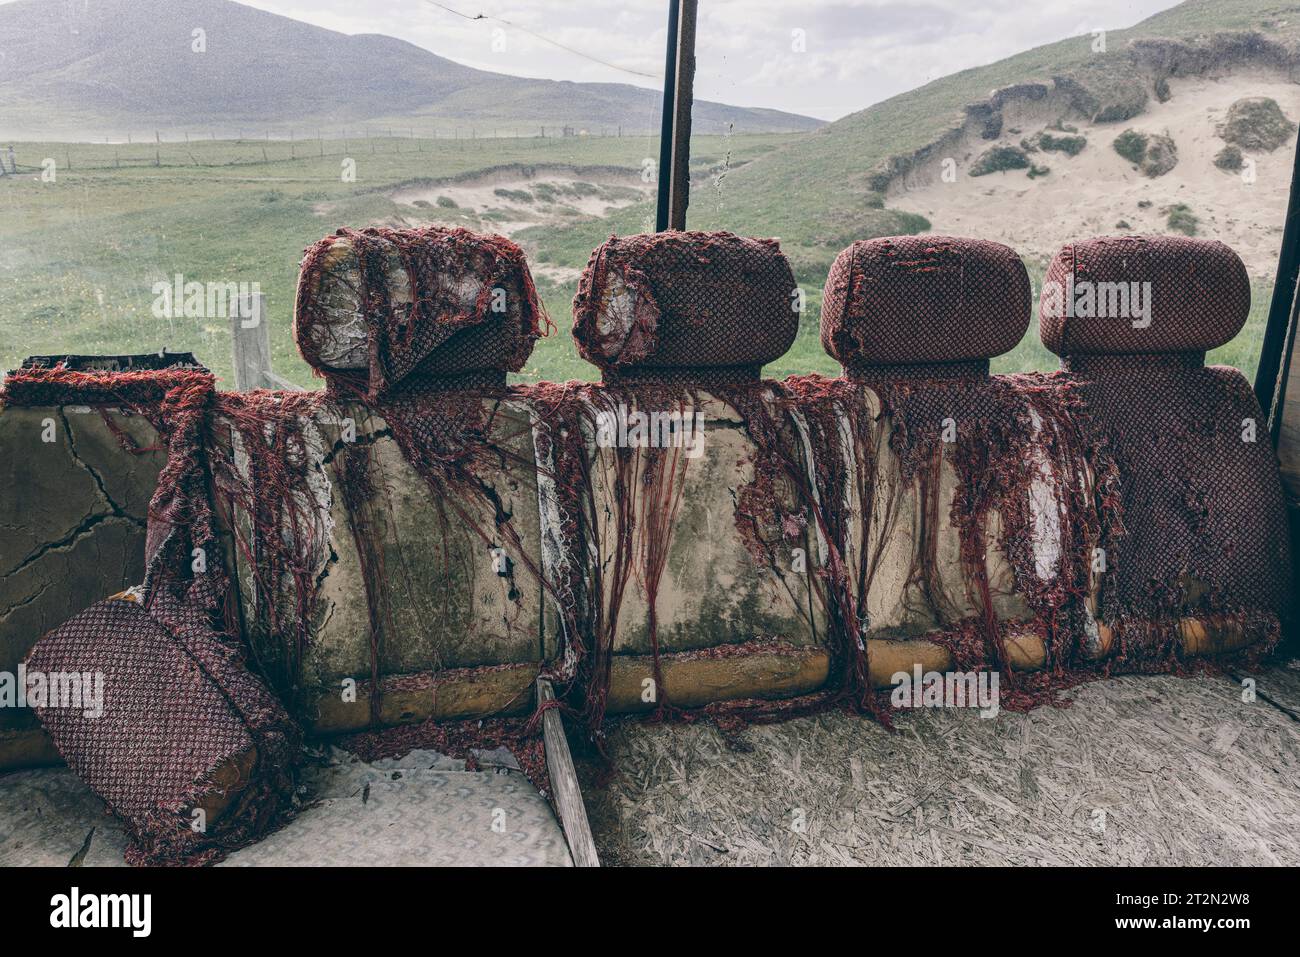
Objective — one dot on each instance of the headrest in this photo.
(683, 300)
(912, 300)
(1142, 295)
(378, 306)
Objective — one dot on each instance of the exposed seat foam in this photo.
(914, 321)
(418, 506)
(377, 306)
(459, 626)
(682, 322)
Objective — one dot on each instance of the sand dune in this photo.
(1091, 193)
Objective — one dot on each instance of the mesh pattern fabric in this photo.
(923, 299)
(685, 300)
(434, 302)
(185, 727)
(185, 723)
(1198, 293)
(1204, 528)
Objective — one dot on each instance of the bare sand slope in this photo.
(1091, 193)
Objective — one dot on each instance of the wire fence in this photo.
(250, 151)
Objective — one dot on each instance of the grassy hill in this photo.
(820, 192)
(837, 170)
(79, 255)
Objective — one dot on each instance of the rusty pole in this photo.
(675, 125)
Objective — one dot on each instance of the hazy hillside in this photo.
(821, 192)
(78, 259)
(878, 172)
(96, 68)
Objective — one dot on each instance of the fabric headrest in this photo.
(906, 300)
(685, 300)
(1126, 295)
(378, 306)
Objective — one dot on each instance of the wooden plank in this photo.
(276, 381)
(250, 336)
(564, 779)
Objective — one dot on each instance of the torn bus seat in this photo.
(412, 588)
(685, 300)
(402, 587)
(1201, 561)
(678, 490)
(959, 501)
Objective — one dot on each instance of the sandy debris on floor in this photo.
(1140, 770)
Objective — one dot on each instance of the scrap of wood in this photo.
(564, 779)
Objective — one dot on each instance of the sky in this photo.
(823, 58)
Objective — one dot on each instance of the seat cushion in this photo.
(180, 740)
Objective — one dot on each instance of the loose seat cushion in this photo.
(169, 727)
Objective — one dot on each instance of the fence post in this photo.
(250, 339)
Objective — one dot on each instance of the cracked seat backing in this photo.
(421, 484)
(73, 510)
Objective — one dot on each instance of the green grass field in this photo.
(79, 255)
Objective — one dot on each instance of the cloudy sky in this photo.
(856, 52)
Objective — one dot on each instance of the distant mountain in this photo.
(92, 68)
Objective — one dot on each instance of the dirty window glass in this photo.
(126, 192)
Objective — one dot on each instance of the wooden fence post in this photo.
(250, 336)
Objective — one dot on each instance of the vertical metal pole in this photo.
(679, 190)
(667, 118)
(1275, 352)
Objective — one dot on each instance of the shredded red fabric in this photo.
(193, 752)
